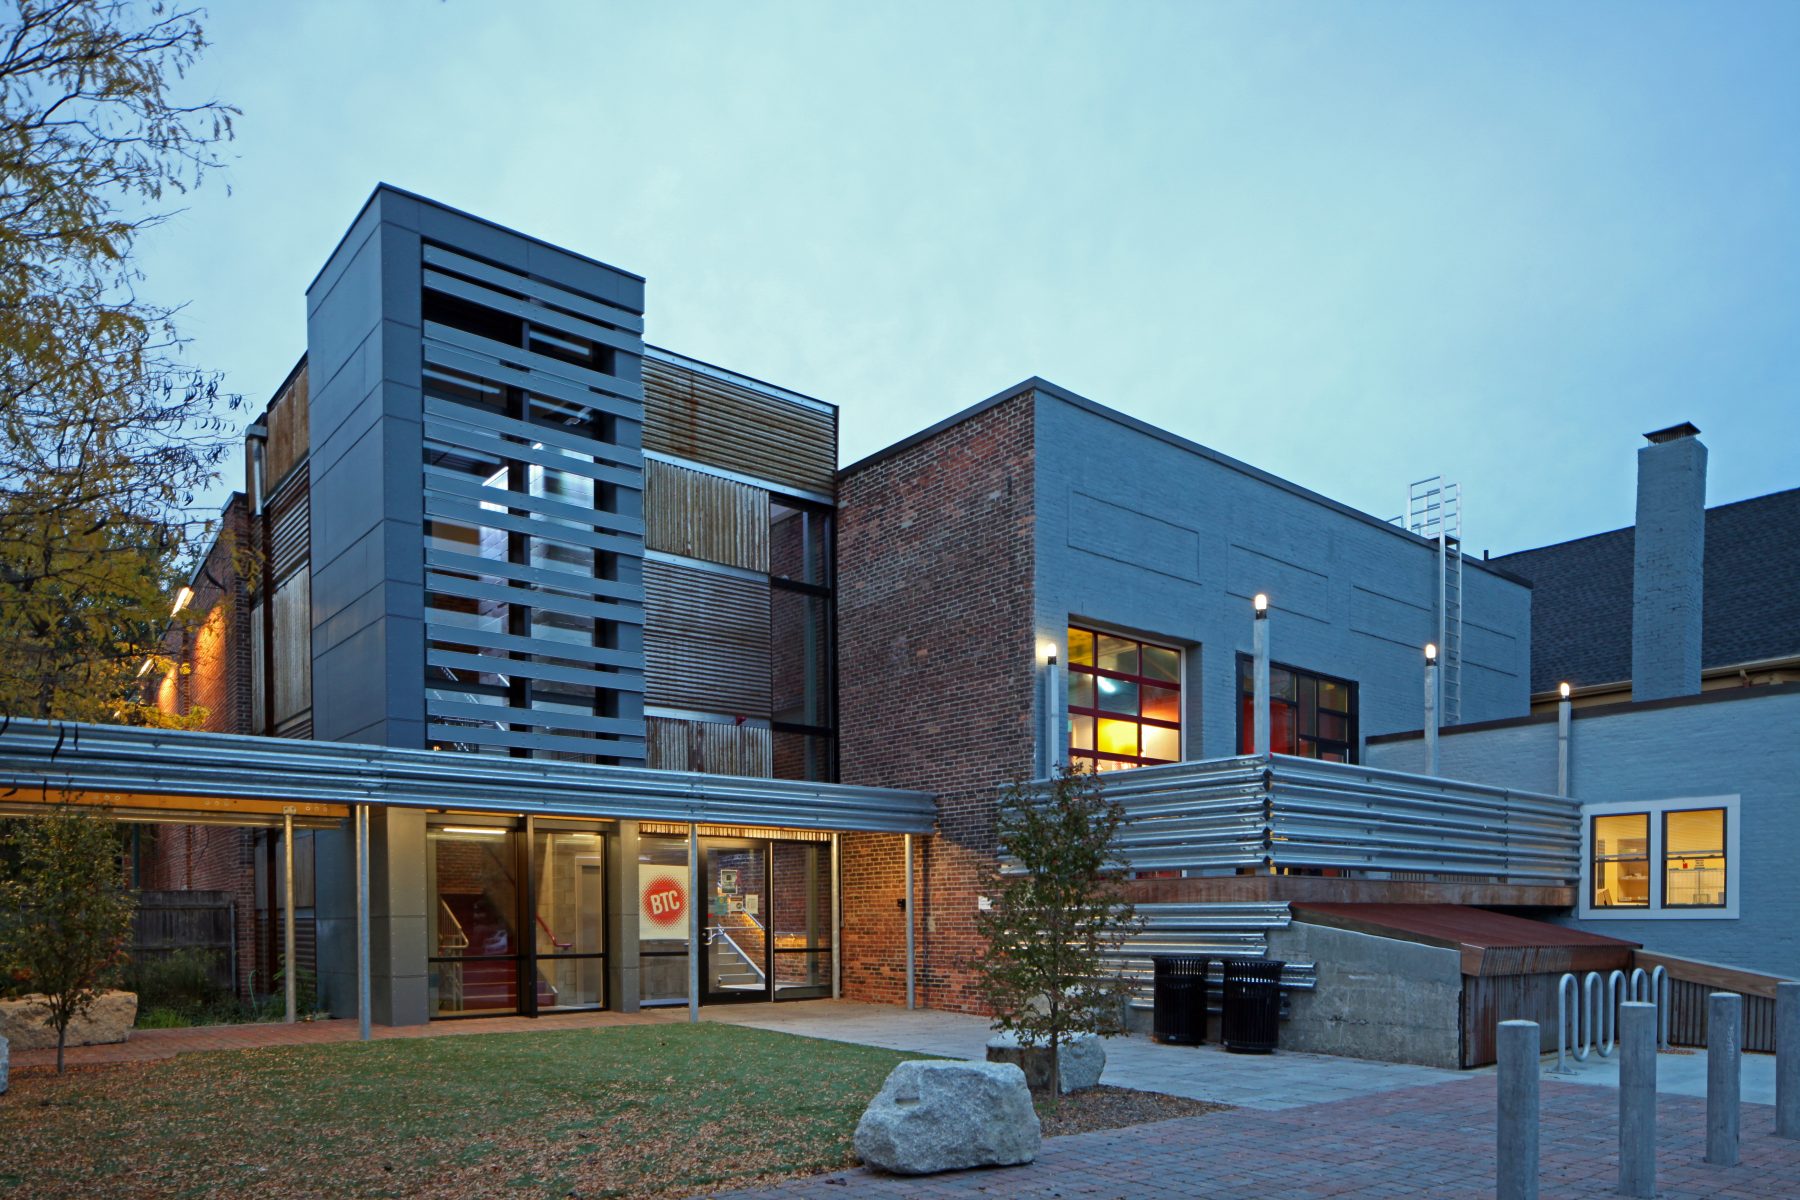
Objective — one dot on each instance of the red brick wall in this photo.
(935, 668)
(215, 644)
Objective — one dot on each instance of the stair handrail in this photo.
(458, 941)
(738, 950)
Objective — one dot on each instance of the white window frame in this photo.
(1585, 908)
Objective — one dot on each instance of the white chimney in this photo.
(1668, 573)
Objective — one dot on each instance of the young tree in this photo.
(106, 436)
(1057, 907)
(65, 916)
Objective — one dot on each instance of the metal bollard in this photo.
(1724, 1023)
(1516, 1135)
(1787, 1060)
(1637, 1099)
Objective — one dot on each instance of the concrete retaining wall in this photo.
(1376, 997)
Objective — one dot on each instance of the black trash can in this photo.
(1250, 1020)
(1180, 1010)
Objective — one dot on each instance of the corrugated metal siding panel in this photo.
(706, 641)
(693, 416)
(702, 516)
(290, 525)
(713, 747)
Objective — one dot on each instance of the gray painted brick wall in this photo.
(1142, 534)
(1738, 743)
(1668, 570)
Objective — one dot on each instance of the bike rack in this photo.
(1593, 1024)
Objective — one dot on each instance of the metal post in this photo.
(694, 917)
(1637, 1099)
(363, 999)
(1564, 711)
(1516, 1138)
(1787, 1060)
(1259, 644)
(837, 915)
(287, 914)
(1431, 718)
(910, 997)
(1724, 1021)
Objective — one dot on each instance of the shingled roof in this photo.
(1581, 594)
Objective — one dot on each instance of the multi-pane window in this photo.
(1693, 857)
(1661, 859)
(1621, 867)
(1312, 716)
(1124, 701)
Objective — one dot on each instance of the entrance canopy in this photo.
(182, 775)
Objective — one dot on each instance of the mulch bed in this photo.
(1106, 1107)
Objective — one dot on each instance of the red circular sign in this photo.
(665, 901)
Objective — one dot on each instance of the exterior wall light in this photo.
(1047, 652)
(1430, 652)
(182, 598)
(1563, 690)
(1261, 604)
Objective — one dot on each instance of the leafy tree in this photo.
(1057, 907)
(106, 435)
(65, 916)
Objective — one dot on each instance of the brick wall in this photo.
(936, 652)
(215, 645)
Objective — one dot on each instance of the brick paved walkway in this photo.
(1435, 1141)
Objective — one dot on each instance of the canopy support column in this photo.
(910, 991)
(362, 921)
(287, 915)
(694, 947)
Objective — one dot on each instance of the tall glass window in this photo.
(802, 641)
(1311, 716)
(663, 919)
(1621, 866)
(569, 890)
(471, 880)
(1124, 701)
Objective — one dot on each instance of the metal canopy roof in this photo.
(39, 759)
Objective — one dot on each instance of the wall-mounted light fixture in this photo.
(1430, 652)
(1261, 604)
(182, 598)
(1562, 689)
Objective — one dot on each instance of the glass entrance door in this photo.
(733, 930)
(568, 888)
(800, 918)
(471, 884)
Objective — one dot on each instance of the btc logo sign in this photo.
(665, 901)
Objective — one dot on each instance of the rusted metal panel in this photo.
(1490, 943)
(292, 633)
(711, 747)
(706, 641)
(703, 516)
(288, 436)
(701, 417)
(1489, 999)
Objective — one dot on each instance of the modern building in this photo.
(588, 679)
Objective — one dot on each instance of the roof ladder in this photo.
(1434, 511)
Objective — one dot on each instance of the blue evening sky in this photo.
(1351, 243)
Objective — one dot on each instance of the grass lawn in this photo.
(633, 1111)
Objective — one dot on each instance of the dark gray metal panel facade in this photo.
(390, 669)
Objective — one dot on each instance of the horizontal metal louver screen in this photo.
(694, 416)
(703, 516)
(706, 641)
(715, 747)
(290, 525)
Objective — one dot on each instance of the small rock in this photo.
(947, 1116)
(1081, 1057)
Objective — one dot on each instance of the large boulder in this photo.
(1081, 1058)
(946, 1116)
(23, 1022)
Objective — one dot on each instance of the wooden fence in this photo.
(171, 921)
(1692, 981)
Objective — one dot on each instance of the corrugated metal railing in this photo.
(39, 756)
(1212, 930)
(1280, 812)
